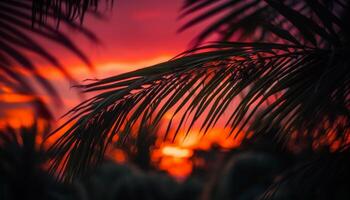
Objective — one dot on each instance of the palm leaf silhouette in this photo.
(63, 9)
(18, 43)
(291, 71)
(307, 22)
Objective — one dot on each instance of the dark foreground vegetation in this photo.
(255, 170)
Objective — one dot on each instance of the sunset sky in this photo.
(132, 34)
(174, 99)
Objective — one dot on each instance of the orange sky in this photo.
(132, 34)
(133, 31)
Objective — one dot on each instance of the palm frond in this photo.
(294, 22)
(18, 42)
(299, 81)
(206, 85)
(63, 9)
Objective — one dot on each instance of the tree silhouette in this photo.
(22, 161)
(21, 23)
(294, 50)
(288, 59)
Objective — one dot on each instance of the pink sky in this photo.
(133, 34)
(133, 31)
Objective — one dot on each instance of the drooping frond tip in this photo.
(277, 82)
(296, 22)
(296, 79)
(19, 41)
(63, 9)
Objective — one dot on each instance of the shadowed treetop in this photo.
(19, 42)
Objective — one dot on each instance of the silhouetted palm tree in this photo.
(21, 24)
(22, 159)
(288, 60)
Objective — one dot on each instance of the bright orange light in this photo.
(219, 136)
(17, 118)
(16, 98)
(173, 159)
(176, 158)
(177, 167)
(176, 152)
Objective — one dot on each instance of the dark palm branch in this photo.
(300, 80)
(63, 9)
(314, 22)
(18, 44)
